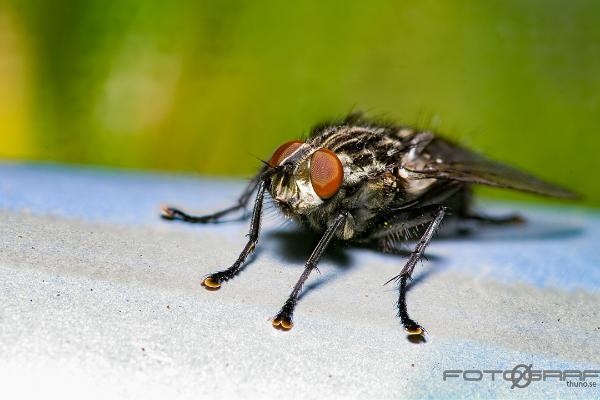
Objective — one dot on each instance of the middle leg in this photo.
(399, 225)
(412, 327)
(172, 213)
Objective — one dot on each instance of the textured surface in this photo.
(99, 297)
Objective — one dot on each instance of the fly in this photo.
(369, 183)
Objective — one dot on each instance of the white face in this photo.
(314, 176)
(291, 189)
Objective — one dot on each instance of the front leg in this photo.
(284, 317)
(171, 213)
(214, 280)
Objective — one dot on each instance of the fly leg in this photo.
(410, 325)
(284, 317)
(214, 280)
(433, 214)
(462, 204)
(467, 223)
(171, 213)
(489, 220)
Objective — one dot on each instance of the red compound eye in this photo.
(284, 151)
(326, 173)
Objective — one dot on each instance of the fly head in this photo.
(304, 177)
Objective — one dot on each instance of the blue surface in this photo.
(567, 252)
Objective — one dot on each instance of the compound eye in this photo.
(326, 173)
(284, 151)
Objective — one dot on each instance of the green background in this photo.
(212, 86)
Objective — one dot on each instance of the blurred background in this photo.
(212, 86)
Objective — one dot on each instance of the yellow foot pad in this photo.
(211, 283)
(166, 212)
(414, 330)
(283, 323)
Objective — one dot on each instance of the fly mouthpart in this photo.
(283, 204)
(280, 201)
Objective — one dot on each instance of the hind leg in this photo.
(462, 205)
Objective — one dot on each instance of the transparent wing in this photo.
(446, 160)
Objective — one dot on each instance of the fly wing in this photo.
(443, 159)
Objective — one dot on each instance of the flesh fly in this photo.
(369, 183)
